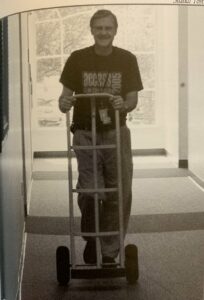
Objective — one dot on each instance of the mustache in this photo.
(103, 36)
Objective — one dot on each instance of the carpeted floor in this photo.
(167, 225)
(170, 264)
(151, 195)
(159, 204)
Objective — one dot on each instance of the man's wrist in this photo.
(62, 109)
(125, 107)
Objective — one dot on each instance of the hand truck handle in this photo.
(94, 95)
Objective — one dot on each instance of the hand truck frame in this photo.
(128, 256)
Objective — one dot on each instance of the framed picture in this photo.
(4, 106)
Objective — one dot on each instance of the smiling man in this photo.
(102, 68)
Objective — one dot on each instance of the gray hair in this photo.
(102, 13)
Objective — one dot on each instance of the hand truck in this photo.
(128, 256)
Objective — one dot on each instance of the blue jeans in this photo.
(107, 177)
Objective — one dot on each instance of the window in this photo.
(63, 30)
(57, 32)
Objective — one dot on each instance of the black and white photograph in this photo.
(102, 150)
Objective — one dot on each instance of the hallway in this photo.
(167, 225)
(167, 213)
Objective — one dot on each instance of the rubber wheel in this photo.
(63, 265)
(131, 264)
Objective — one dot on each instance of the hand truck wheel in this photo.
(63, 265)
(131, 263)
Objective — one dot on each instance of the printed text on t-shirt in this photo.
(107, 82)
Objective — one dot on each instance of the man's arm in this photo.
(66, 99)
(131, 101)
(126, 105)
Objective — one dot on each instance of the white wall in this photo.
(26, 111)
(11, 169)
(170, 80)
(196, 90)
(9, 7)
(183, 84)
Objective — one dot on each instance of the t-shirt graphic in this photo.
(102, 82)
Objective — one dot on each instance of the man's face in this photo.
(104, 31)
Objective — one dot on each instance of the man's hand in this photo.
(66, 102)
(126, 105)
(117, 102)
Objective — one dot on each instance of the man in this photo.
(102, 68)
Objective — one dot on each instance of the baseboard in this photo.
(135, 152)
(21, 265)
(183, 163)
(149, 152)
(197, 179)
(29, 194)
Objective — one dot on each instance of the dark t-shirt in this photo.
(86, 72)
